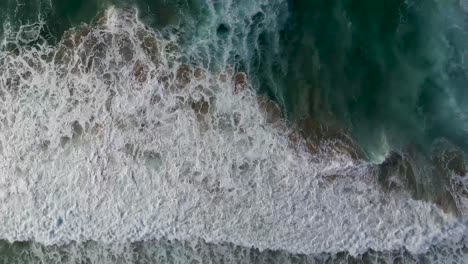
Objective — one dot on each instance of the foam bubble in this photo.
(108, 137)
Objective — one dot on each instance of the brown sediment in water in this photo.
(433, 179)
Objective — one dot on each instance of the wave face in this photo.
(121, 144)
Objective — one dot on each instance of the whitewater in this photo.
(114, 136)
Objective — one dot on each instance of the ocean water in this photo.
(196, 131)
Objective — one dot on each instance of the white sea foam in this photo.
(103, 142)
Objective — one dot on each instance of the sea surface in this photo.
(233, 131)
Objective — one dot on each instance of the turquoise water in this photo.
(392, 69)
(391, 74)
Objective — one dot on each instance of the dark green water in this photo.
(393, 68)
(393, 73)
